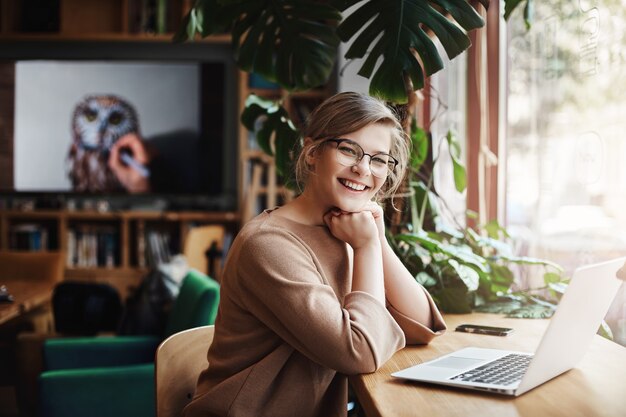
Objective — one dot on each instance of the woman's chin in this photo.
(352, 206)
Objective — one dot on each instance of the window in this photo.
(448, 111)
(565, 126)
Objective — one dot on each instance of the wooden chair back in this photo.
(179, 360)
(48, 266)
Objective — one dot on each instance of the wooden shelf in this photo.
(104, 37)
(218, 216)
(93, 20)
(125, 229)
(314, 94)
(273, 93)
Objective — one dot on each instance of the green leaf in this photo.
(431, 244)
(501, 275)
(454, 147)
(500, 307)
(286, 138)
(525, 260)
(494, 230)
(425, 280)
(394, 31)
(186, 30)
(460, 175)
(528, 13)
(444, 227)
(269, 120)
(551, 278)
(532, 311)
(421, 192)
(517, 309)
(502, 248)
(462, 254)
(465, 255)
(419, 142)
(207, 17)
(511, 5)
(454, 300)
(290, 42)
(466, 274)
(558, 287)
(255, 106)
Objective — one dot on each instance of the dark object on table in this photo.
(490, 330)
(5, 297)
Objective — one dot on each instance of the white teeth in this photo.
(353, 185)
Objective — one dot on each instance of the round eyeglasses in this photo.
(350, 153)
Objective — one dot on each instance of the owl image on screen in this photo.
(98, 122)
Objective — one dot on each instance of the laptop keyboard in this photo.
(504, 371)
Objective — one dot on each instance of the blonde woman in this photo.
(312, 291)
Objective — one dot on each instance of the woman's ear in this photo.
(309, 157)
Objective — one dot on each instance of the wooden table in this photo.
(28, 295)
(595, 387)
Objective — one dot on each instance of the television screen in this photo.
(160, 125)
(69, 114)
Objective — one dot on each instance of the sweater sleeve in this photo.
(281, 286)
(416, 333)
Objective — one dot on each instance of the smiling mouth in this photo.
(353, 186)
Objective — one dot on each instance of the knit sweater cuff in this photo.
(417, 333)
(383, 334)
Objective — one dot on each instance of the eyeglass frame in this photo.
(339, 141)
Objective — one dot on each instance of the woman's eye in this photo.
(378, 160)
(348, 150)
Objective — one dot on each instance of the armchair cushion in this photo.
(123, 391)
(196, 304)
(90, 352)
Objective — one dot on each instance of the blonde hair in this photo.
(346, 113)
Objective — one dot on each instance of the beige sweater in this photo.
(289, 329)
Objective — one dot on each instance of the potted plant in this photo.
(294, 43)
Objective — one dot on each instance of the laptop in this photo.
(565, 341)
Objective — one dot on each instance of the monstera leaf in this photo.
(511, 5)
(268, 120)
(294, 42)
(395, 30)
(291, 42)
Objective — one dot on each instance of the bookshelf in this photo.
(112, 246)
(93, 19)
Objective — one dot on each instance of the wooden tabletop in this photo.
(27, 296)
(595, 387)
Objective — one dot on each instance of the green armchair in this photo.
(114, 376)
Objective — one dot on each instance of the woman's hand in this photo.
(377, 213)
(379, 217)
(356, 229)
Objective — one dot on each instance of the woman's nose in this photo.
(362, 167)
